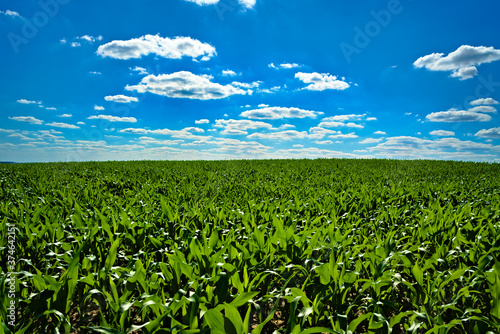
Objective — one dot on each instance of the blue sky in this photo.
(232, 79)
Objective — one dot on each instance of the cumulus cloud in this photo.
(321, 81)
(229, 73)
(247, 3)
(379, 133)
(121, 99)
(28, 119)
(63, 125)
(194, 129)
(114, 118)
(175, 48)
(246, 85)
(442, 133)
(454, 115)
(371, 141)
(141, 70)
(284, 66)
(344, 136)
(204, 2)
(282, 135)
(239, 127)
(51, 108)
(324, 142)
(185, 85)
(10, 13)
(24, 101)
(90, 39)
(483, 109)
(278, 113)
(462, 63)
(182, 134)
(484, 102)
(413, 147)
(65, 115)
(202, 121)
(493, 133)
(465, 73)
(340, 124)
(343, 118)
(96, 107)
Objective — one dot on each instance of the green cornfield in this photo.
(279, 246)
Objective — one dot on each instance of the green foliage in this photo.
(304, 246)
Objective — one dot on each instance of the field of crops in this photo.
(304, 246)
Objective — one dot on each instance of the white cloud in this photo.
(344, 136)
(442, 133)
(121, 99)
(324, 142)
(80, 123)
(28, 119)
(298, 146)
(465, 73)
(239, 127)
(371, 141)
(51, 108)
(7, 130)
(204, 2)
(489, 133)
(65, 115)
(286, 127)
(284, 66)
(461, 62)
(193, 129)
(278, 113)
(282, 135)
(246, 85)
(454, 115)
(484, 102)
(262, 105)
(413, 147)
(343, 118)
(114, 118)
(141, 70)
(229, 73)
(20, 136)
(75, 44)
(10, 13)
(24, 101)
(90, 39)
(202, 121)
(483, 109)
(149, 140)
(175, 48)
(96, 107)
(247, 3)
(379, 133)
(321, 81)
(185, 85)
(63, 125)
(95, 72)
(340, 124)
(183, 134)
(319, 133)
